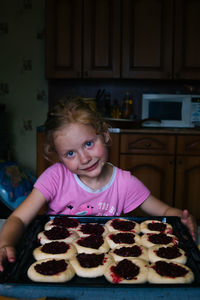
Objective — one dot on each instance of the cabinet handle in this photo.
(148, 145)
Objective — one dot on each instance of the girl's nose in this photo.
(84, 157)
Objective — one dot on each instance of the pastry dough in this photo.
(168, 272)
(155, 226)
(91, 228)
(129, 251)
(62, 221)
(152, 239)
(123, 225)
(90, 265)
(54, 249)
(128, 271)
(91, 244)
(168, 253)
(57, 270)
(117, 238)
(57, 234)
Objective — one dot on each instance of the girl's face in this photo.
(81, 150)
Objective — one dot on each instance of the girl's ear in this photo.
(107, 136)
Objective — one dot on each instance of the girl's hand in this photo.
(8, 253)
(189, 221)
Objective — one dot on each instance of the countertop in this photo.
(149, 130)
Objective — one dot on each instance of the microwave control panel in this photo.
(195, 109)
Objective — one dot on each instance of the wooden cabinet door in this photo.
(147, 39)
(63, 38)
(156, 172)
(187, 39)
(101, 39)
(187, 190)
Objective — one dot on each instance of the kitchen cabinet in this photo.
(187, 189)
(147, 39)
(151, 159)
(161, 39)
(187, 40)
(83, 38)
(168, 164)
(141, 39)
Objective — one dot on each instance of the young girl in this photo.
(83, 182)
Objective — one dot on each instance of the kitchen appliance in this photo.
(171, 110)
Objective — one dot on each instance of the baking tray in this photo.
(16, 274)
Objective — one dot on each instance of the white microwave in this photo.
(167, 110)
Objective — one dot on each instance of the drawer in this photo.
(147, 143)
(188, 144)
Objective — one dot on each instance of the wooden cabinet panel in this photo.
(188, 145)
(147, 39)
(101, 39)
(63, 38)
(149, 144)
(187, 40)
(83, 38)
(187, 189)
(156, 172)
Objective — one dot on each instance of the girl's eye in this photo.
(89, 144)
(70, 154)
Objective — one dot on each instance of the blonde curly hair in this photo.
(67, 111)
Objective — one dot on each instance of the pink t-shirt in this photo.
(66, 194)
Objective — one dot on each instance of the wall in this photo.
(23, 88)
(117, 88)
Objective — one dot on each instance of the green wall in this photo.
(22, 75)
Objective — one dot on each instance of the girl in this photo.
(83, 182)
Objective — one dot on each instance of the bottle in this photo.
(127, 106)
(115, 111)
(107, 105)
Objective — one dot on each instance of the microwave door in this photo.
(172, 111)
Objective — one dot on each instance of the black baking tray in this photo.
(16, 273)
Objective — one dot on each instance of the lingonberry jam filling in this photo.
(66, 222)
(51, 267)
(169, 269)
(133, 251)
(123, 225)
(126, 238)
(168, 252)
(90, 260)
(55, 247)
(126, 269)
(92, 241)
(57, 233)
(155, 226)
(160, 238)
(92, 229)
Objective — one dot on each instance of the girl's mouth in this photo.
(93, 167)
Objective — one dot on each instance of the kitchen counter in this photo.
(151, 130)
(156, 130)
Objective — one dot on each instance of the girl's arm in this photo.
(155, 207)
(14, 226)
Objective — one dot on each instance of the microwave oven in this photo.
(170, 110)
